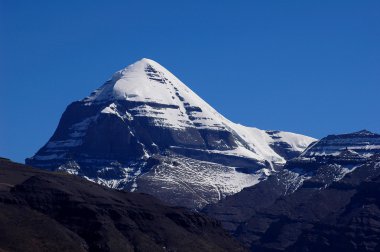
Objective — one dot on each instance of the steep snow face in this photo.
(297, 142)
(123, 134)
(273, 146)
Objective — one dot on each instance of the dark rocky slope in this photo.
(45, 211)
(326, 199)
(342, 217)
(238, 208)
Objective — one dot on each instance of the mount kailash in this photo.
(144, 130)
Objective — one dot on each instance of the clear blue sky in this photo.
(311, 67)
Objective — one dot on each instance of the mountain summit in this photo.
(168, 101)
(145, 130)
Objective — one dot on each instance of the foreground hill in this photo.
(46, 211)
(144, 130)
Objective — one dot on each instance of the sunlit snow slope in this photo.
(145, 130)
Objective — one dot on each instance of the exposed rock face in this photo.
(322, 200)
(145, 130)
(45, 211)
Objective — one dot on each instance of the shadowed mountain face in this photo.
(144, 130)
(45, 211)
(326, 199)
(342, 217)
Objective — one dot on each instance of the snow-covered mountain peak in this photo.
(144, 128)
(145, 90)
(141, 66)
(145, 80)
(161, 95)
